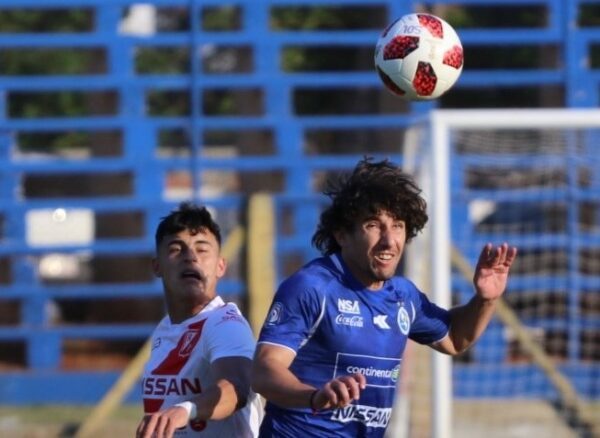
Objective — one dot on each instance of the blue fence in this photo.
(228, 114)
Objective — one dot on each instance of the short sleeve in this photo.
(294, 314)
(430, 323)
(229, 334)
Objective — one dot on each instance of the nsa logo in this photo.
(348, 306)
(380, 321)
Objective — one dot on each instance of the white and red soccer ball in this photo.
(419, 56)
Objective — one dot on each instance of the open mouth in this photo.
(191, 274)
(384, 257)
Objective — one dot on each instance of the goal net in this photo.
(530, 178)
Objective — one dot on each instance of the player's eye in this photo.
(174, 248)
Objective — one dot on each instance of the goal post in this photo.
(530, 178)
(439, 248)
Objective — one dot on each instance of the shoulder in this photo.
(406, 290)
(225, 325)
(227, 334)
(304, 292)
(312, 276)
(404, 285)
(226, 313)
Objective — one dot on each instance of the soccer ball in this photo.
(419, 57)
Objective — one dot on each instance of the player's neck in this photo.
(180, 311)
(362, 276)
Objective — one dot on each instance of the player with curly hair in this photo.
(330, 351)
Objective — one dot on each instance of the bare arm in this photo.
(230, 391)
(216, 402)
(272, 378)
(469, 321)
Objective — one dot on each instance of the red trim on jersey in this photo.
(178, 356)
(152, 405)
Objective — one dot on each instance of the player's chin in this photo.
(193, 289)
(384, 271)
(384, 274)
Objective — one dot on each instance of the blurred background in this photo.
(114, 111)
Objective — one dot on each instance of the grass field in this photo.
(62, 421)
(472, 420)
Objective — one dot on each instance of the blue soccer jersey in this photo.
(337, 327)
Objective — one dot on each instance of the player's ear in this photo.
(339, 236)
(156, 267)
(221, 267)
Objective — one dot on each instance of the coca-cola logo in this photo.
(349, 320)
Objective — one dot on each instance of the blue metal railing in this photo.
(149, 171)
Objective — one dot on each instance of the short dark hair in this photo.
(187, 216)
(370, 188)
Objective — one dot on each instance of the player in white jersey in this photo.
(197, 380)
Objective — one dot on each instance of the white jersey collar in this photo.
(215, 303)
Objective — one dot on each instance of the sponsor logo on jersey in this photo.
(156, 344)
(348, 306)
(380, 321)
(349, 320)
(275, 313)
(395, 373)
(368, 415)
(381, 372)
(403, 320)
(391, 374)
(165, 386)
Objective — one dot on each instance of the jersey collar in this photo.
(212, 305)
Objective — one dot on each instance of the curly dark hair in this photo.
(371, 188)
(187, 217)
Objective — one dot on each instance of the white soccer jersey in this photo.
(179, 367)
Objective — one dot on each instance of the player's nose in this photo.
(386, 236)
(189, 254)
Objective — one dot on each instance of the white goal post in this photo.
(434, 171)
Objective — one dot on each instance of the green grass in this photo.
(47, 421)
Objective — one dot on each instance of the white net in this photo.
(530, 178)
